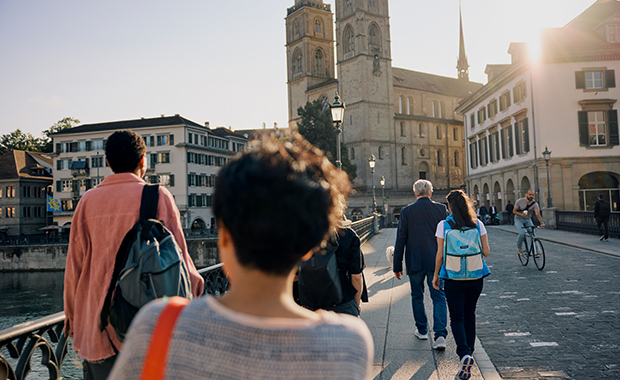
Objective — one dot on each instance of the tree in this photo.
(20, 141)
(66, 123)
(317, 127)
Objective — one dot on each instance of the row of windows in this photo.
(205, 159)
(208, 141)
(9, 191)
(405, 104)
(80, 146)
(439, 130)
(403, 154)
(7, 212)
(200, 200)
(160, 140)
(374, 39)
(201, 180)
(499, 144)
(519, 92)
(27, 212)
(31, 192)
(93, 162)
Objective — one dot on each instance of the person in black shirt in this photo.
(511, 216)
(601, 215)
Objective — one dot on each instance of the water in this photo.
(26, 296)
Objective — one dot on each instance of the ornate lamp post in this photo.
(382, 182)
(547, 155)
(372, 161)
(337, 116)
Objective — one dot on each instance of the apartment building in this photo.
(564, 103)
(182, 155)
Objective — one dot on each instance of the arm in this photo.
(517, 212)
(438, 262)
(540, 219)
(399, 247)
(73, 269)
(484, 239)
(358, 283)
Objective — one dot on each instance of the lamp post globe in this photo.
(337, 110)
(372, 161)
(547, 156)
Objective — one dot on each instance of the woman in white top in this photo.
(461, 295)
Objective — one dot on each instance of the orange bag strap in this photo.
(154, 366)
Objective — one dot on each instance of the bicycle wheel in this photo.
(525, 257)
(539, 254)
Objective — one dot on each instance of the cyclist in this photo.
(524, 209)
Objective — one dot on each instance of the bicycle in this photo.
(534, 248)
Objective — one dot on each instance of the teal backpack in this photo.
(462, 253)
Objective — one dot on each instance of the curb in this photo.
(485, 365)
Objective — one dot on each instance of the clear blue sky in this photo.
(217, 61)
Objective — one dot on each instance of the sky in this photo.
(217, 61)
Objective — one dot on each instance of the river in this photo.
(26, 296)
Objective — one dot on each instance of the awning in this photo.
(51, 227)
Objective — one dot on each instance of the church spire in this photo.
(462, 66)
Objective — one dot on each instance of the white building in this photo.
(182, 155)
(566, 102)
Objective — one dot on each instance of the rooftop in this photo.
(433, 83)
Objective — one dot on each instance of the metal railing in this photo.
(583, 222)
(365, 228)
(47, 335)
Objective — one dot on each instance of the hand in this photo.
(398, 274)
(436, 282)
(542, 225)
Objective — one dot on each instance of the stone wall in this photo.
(53, 257)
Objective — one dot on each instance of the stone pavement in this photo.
(398, 353)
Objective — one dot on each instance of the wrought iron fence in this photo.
(583, 222)
(365, 228)
(47, 335)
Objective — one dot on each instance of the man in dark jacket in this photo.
(601, 215)
(509, 208)
(416, 240)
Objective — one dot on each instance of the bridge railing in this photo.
(583, 222)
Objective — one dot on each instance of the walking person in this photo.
(415, 240)
(461, 294)
(601, 215)
(256, 330)
(524, 209)
(483, 212)
(509, 208)
(102, 218)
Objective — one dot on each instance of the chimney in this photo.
(207, 124)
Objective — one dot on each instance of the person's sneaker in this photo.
(420, 335)
(606, 239)
(465, 373)
(602, 237)
(440, 343)
(520, 251)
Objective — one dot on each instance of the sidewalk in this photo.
(572, 239)
(398, 353)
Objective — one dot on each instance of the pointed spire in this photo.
(462, 66)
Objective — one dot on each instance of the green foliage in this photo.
(25, 141)
(317, 127)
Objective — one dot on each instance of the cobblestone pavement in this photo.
(559, 323)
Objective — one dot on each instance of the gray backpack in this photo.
(149, 265)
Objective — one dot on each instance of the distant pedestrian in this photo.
(509, 208)
(493, 213)
(274, 206)
(601, 215)
(483, 212)
(462, 295)
(415, 239)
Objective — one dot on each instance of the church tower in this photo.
(309, 53)
(462, 66)
(365, 83)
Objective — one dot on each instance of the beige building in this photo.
(406, 119)
(566, 103)
(25, 180)
(182, 155)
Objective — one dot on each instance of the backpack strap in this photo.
(154, 366)
(149, 202)
(451, 223)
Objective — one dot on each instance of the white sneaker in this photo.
(440, 343)
(465, 373)
(420, 336)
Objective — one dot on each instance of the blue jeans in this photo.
(440, 310)
(519, 224)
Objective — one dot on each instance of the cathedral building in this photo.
(405, 118)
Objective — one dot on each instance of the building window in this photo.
(296, 30)
(166, 180)
(434, 108)
(97, 162)
(402, 128)
(482, 115)
(519, 92)
(492, 108)
(408, 106)
(595, 79)
(380, 152)
(403, 152)
(10, 191)
(422, 152)
(10, 212)
(456, 158)
(353, 153)
(374, 39)
(455, 134)
(438, 132)
(297, 66)
(522, 137)
(421, 130)
(504, 101)
(441, 107)
(318, 62)
(598, 128)
(439, 158)
(318, 25)
(473, 154)
(494, 147)
(472, 121)
(349, 40)
(400, 104)
(613, 33)
(163, 158)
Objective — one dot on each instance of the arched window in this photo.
(438, 132)
(374, 39)
(439, 158)
(318, 62)
(403, 153)
(349, 4)
(296, 30)
(372, 3)
(402, 128)
(421, 130)
(353, 153)
(400, 104)
(349, 40)
(441, 110)
(408, 106)
(434, 108)
(297, 67)
(456, 158)
(318, 25)
(380, 152)
(455, 134)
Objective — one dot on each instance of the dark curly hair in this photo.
(123, 151)
(278, 200)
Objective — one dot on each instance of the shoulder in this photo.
(345, 327)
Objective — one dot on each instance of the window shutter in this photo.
(509, 141)
(89, 183)
(580, 80)
(517, 138)
(582, 117)
(58, 148)
(491, 148)
(171, 140)
(88, 146)
(171, 180)
(610, 79)
(501, 134)
(471, 156)
(480, 160)
(58, 186)
(526, 137)
(612, 116)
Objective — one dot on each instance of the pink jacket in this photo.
(101, 220)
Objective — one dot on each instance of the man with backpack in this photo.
(524, 209)
(601, 215)
(101, 220)
(415, 240)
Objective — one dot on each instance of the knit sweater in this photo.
(212, 341)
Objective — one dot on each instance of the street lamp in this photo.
(547, 156)
(382, 182)
(372, 161)
(337, 116)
